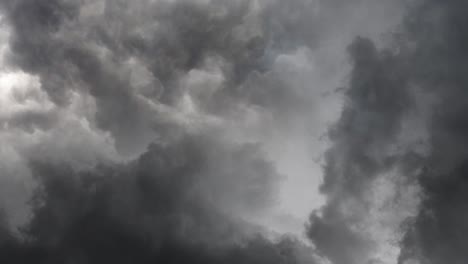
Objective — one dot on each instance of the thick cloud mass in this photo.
(126, 119)
(377, 100)
(438, 233)
(168, 206)
(405, 112)
(158, 131)
(137, 59)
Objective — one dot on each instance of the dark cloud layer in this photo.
(429, 56)
(73, 50)
(375, 102)
(168, 206)
(438, 233)
(153, 78)
(138, 153)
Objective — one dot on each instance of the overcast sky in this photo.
(233, 131)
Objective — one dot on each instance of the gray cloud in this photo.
(120, 130)
(86, 47)
(418, 78)
(176, 203)
(137, 122)
(376, 102)
(436, 234)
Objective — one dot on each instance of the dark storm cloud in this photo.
(171, 205)
(438, 37)
(5, 234)
(185, 199)
(166, 193)
(375, 102)
(430, 55)
(71, 49)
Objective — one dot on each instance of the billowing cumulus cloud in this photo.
(199, 131)
(365, 160)
(176, 203)
(437, 233)
(135, 131)
(401, 134)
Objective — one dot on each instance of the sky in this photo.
(233, 131)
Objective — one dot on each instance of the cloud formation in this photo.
(401, 127)
(126, 120)
(176, 203)
(158, 130)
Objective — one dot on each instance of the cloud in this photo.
(376, 104)
(401, 129)
(436, 39)
(178, 202)
(157, 130)
(121, 116)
